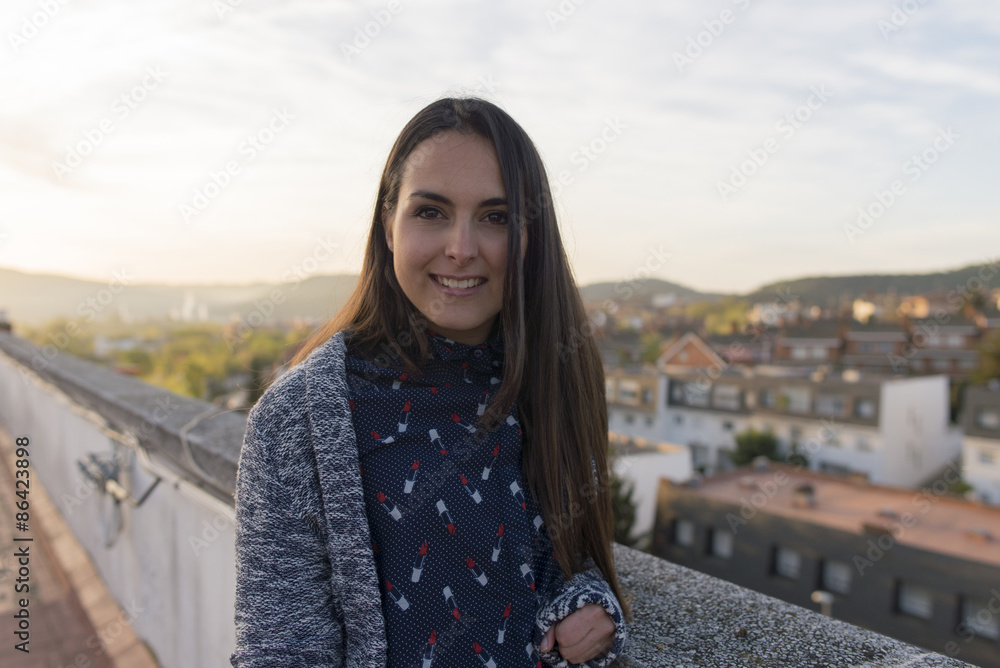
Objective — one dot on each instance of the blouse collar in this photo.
(444, 348)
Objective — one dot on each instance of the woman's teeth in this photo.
(452, 283)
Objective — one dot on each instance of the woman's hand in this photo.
(583, 635)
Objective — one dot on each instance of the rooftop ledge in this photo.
(680, 617)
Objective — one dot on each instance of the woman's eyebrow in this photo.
(427, 194)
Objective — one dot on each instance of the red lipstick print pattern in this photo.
(502, 626)
(497, 610)
(528, 576)
(496, 547)
(446, 517)
(489, 467)
(397, 596)
(411, 477)
(473, 492)
(389, 506)
(514, 423)
(515, 489)
(404, 417)
(530, 649)
(436, 441)
(418, 565)
(429, 651)
(450, 600)
(483, 655)
(460, 422)
(477, 572)
(386, 440)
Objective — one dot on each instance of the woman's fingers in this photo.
(549, 640)
(585, 634)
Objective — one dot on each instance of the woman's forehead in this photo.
(454, 162)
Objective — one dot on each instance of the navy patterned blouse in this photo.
(458, 540)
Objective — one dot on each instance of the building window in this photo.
(837, 577)
(726, 397)
(695, 396)
(796, 399)
(885, 347)
(722, 543)
(727, 425)
(986, 457)
(678, 419)
(794, 434)
(647, 396)
(800, 353)
(684, 533)
(677, 391)
(649, 421)
(941, 365)
(768, 398)
(988, 418)
(915, 600)
(980, 618)
(819, 353)
(787, 563)
(830, 404)
(864, 408)
(629, 418)
(628, 392)
(864, 347)
(956, 341)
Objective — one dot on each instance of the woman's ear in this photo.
(387, 225)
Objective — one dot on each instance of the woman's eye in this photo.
(427, 212)
(498, 217)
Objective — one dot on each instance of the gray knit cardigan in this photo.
(306, 586)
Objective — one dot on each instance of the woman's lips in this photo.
(457, 292)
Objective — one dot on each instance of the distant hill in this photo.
(828, 291)
(36, 298)
(643, 289)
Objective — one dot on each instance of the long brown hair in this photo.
(552, 367)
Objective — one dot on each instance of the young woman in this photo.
(427, 485)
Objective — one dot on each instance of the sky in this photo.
(721, 145)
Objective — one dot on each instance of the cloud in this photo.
(686, 128)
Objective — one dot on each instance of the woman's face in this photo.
(448, 234)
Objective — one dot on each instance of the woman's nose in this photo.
(462, 244)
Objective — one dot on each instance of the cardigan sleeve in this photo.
(286, 613)
(565, 597)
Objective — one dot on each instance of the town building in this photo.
(920, 566)
(810, 343)
(981, 445)
(943, 345)
(644, 463)
(892, 430)
(872, 347)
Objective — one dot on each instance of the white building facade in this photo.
(892, 430)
